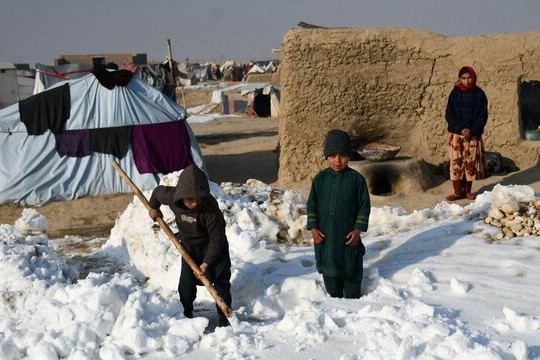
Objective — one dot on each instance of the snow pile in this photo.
(434, 289)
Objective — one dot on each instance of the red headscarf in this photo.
(467, 70)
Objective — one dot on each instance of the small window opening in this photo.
(529, 109)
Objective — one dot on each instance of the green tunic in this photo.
(338, 203)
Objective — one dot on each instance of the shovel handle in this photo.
(189, 260)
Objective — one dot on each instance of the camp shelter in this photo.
(260, 99)
(59, 144)
(234, 103)
(261, 67)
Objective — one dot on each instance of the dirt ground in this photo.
(235, 150)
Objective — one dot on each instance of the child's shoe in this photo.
(188, 314)
(454, 197)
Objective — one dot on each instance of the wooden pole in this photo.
(192, 264)
(169, 51)
(183, 99)
(173, 72)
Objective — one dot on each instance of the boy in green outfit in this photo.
(338, 211)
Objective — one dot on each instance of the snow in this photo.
(434, 288)
(198, 115)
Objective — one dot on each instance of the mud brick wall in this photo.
(391, 85)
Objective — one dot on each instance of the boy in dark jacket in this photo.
(338, 210)
(201, 229)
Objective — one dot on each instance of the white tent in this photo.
(33, 170)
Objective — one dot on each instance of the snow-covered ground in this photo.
(434, 288)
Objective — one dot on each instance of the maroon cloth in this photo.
(161, 148)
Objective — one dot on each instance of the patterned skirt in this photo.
(467, 158)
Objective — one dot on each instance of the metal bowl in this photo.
(379, 151)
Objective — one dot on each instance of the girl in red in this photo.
(466, 115)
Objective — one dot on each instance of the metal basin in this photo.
(379, 151)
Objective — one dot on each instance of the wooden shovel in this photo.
(192, 264)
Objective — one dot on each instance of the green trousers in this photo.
(348, 288)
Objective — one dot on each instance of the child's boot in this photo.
(468, 194)
(223, 321)
(458, 191)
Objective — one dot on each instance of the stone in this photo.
(510, 207)
(496, 214)
(516, 228)
(508, 233)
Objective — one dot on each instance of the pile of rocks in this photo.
(515, 219)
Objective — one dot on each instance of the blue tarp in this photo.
(32, 171)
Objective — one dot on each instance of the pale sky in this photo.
(40, 30)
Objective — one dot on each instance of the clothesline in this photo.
(62, 75)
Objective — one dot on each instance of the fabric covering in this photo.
(46, 111)
(73, 143)
(110, 79)
(152, 144)
(39, 169)
(114, 141)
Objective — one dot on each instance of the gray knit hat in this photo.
(337, 142)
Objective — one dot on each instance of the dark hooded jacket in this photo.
(203, 226)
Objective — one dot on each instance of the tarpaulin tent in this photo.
(261, 98)
(234, 103)
(59, 144)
